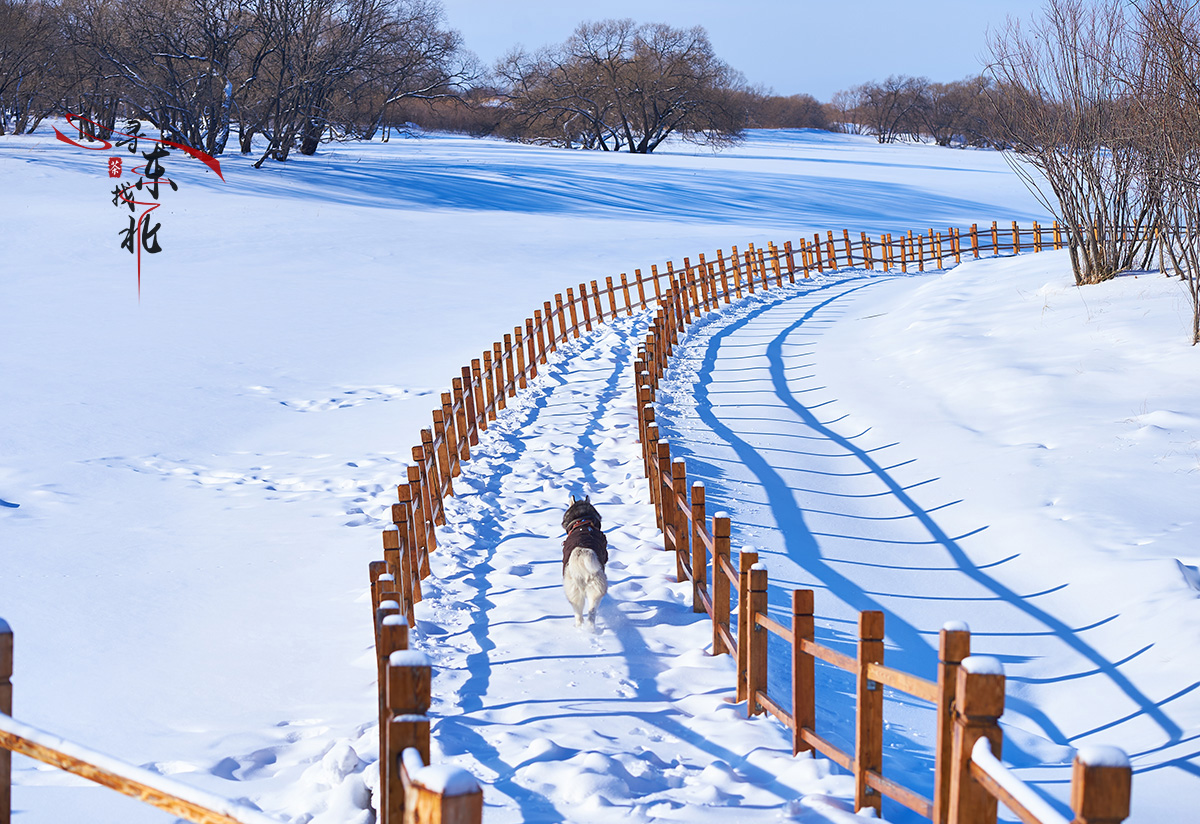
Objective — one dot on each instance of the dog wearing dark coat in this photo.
(585, 552)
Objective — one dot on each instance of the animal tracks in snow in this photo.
(348, 398)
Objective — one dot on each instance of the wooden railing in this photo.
(179, 799)
(964, 792)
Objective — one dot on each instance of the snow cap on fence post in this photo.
(1101, 785)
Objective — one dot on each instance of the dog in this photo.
(585, 552)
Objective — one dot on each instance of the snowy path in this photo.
(560, 724)
(841, 508)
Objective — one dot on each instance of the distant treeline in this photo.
(296, 73)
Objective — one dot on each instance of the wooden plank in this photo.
(827, 749)
(910, 684)
(829, 656)
(765, 701)
(771, 625)
(997, 791)
(915, 802)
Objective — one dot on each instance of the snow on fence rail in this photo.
(964, 792)
(152, 788)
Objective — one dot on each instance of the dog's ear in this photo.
(587, 499)
(572, 499)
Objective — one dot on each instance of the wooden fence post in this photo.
(804, 680)
(501, 385)
(442, 429)
(724, 276)
(518, 347)
(394, 556)
(393, 636)
(866, 245)
(868, 733)
(705, 297)
(666, 522)
(791, 260)
(377, 570)
(720, 581)
(455, 438)
(746, 560)
(756, 669)
(440, 484)
(679, 493)
(1016, 239)
(1101, 785)
(420, 500)
(471, 403)
(596, 303)
(995, 239)
(1057, 236)
(531, 342)
(440, 794)
(657, 285)
(921, 255)
(699, 550)
(587, 312)
(408, 561)
(641, 287)
(954, 645)
(625, 293)
(408, 692)
(6, 707)
(979, 703)
(488, 382)
(574, 314)
(561, 334)
(510, 373)
(612, 298)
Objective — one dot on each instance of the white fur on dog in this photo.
(585, 583)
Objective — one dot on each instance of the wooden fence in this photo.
(679, 296)
(967, 693)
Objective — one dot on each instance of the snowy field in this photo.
(193, 483)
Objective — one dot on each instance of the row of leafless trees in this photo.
(293, 71)
(914, 108)
(1104, 103)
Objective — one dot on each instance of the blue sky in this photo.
(791, 46)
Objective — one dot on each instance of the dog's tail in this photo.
(586, 562)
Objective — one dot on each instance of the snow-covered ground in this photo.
(193, 483)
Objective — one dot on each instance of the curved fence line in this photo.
(678, 297)
(968, 691)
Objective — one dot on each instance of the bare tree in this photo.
(618, 85)
(888, 110)
(1065, 109)
(28, 37)
(1166, 85)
